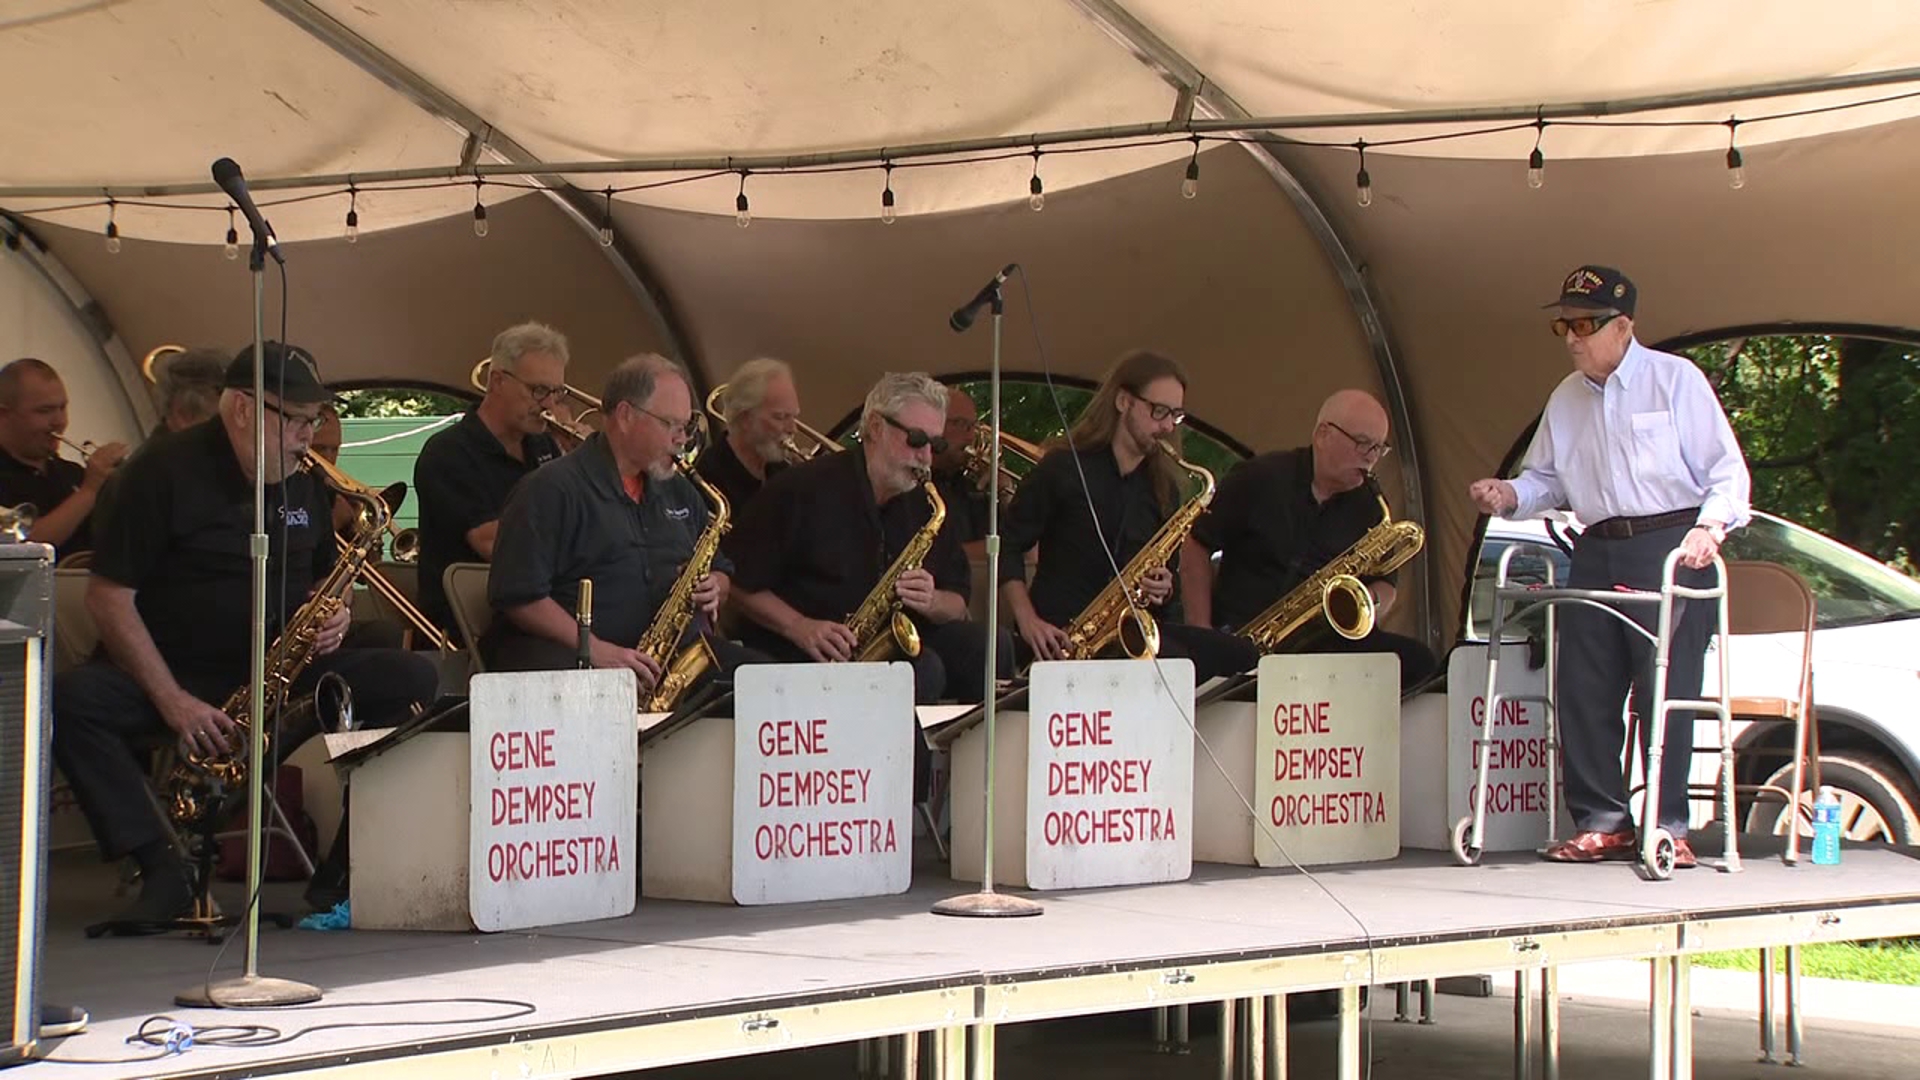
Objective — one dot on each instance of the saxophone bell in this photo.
(1348, 605)
(1140, 634)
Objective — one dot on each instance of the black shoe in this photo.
(58, 1021)
(165, 895)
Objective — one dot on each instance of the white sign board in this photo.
(554, 805)
(1517, 772)
(1327, 758)
(822, 781)
(1109, 773)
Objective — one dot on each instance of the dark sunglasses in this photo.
(1584, 326)
(917, 438)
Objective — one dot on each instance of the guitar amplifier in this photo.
(26, 633)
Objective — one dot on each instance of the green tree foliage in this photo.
(1831, 430)
(399, 401)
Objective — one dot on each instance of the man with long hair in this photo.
(1096, 499)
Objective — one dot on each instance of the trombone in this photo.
(980, 460)
(816, 441)
(406, 547)
(575, 429)
(147, 362)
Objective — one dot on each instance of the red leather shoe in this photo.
(1592, 846)
(1683, 855)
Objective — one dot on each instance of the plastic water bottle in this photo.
(1826, 828)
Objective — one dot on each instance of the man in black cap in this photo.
(171, 595)
(1636, 443)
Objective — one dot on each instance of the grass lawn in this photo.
(1893, 961)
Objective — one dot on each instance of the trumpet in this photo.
(17, 521)
(575, 429)
(147, 362)
(403, 539)
(84, 449)
(816, 441)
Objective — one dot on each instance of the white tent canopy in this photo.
(1272, 285)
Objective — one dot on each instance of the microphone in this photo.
(226, 173)
(963, 317)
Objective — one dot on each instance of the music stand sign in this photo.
(1518, 774)
(1109, 773)
(822, 781)
(1327, 758)
(555, 782)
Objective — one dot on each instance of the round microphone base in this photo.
(247, 992)
(987, 905)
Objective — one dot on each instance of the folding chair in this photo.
(1766, 598)
(74, 636)
(466, 585)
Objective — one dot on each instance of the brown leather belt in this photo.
(1620, 528)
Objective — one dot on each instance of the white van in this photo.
(1866, 660)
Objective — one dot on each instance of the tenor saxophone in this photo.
(1119, 612)
(879, 625)
(1335, 591)
(200, 784)
(662, 639)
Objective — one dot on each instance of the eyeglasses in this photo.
(689, 427)
(1584, 326)
(540, 391)
(293, 421)
(1161, 413)
(917, 438)
(1367, 447)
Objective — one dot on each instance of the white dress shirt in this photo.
(1651, 441)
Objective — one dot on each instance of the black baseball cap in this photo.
(289, 372)
(1599, 287)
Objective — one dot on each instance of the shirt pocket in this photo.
(1654, 430)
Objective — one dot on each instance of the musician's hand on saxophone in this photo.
(333, 631)
(646, 669)
(204, 730)
(1156, 586)
(709, 593)
(824, 641)
(915, 588)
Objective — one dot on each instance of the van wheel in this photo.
(1875, 803)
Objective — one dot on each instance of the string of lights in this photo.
(1198, 133)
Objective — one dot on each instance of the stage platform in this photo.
(680, 982)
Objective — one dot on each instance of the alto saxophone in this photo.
(879, 626)
(1119, 612)
(662, 638)
(200, 784)
(1335, 591)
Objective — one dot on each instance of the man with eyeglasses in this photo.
(171, 595)
(1282, 516)
(1636, 444)
(615, 512)
(464, 472)
(1093, 501)
(761, 408)
(966, 502)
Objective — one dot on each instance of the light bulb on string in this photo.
(353, 215)
(742, 212)
(232, 247)
(1536, 169)
(479, 212)
(1736, 165)
(1036, 191)
(887, 213)
(1361, 181)
(113, 230)
(606, 222)
(1190, 186)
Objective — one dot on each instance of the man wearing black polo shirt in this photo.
(966, 503)
(762, 411)
(821, 535)
(33, 416)
(171, 595)
(463, 474)
(1133, 488)
(616, 513)
(1282, 516)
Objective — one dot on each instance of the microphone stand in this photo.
(987, 904)
(251, 989)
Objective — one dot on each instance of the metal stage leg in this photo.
(1228, 1043)
(1402, 997)
(1160, 1023)
(1767, 1011)
(950, 1053)
(1426, 1001)
(1550, 1023)
(1257, 1038)
(1793, 1006)
(1682, 1017)
(1351, 1064)
(1182, 1043)
(883, 1057)
(863, 1059)
(1274, 1006)
(980, 1057)
(910, 1056)
(1523, 988)
(1660, 1018)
